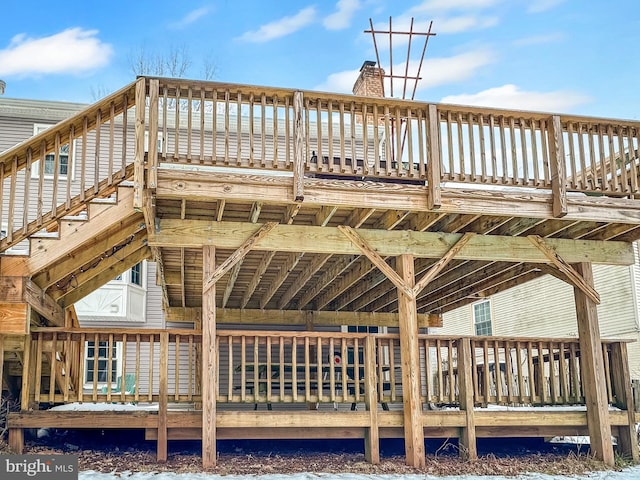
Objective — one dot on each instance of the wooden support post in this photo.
(627, 440)
(635, 385)
(434, 198)
(557, 165)
(16, 435)
(371, 434)
(410, 360)
(468, 448)
(163, 398)
(152, 155)
(298, 147)
(138, 168)
(593, 375)
(209, 358)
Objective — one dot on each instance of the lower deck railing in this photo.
(93, 365)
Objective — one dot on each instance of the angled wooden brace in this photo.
(377, 260)
(567, 271)
(443, 262)
(238, 255)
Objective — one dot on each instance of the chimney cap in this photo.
(367, 63)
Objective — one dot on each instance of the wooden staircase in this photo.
(64, 236)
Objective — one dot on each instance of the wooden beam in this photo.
(571, 276)
(376, 259)
(297, 317)
(138, 170)
(557, 165)
(298, 147)
(410, 362)
(163, 398)
(592, 368)
(87, 253)
(627, 436)
(299, 238)
(376, 195)
(96, 282)
(85, 273)
(19, 292)
(43, 304)
(284, 270)
(468, 446)
(372, 432)
(434, 191)
(47, 251)
(209, 358)
(238, 255)
(440, 264)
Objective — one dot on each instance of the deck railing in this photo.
(54, 173)
(302, 133)
(94, 365)
(218, 124)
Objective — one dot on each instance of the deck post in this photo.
(371, 434)
(209, 358)
(468, 447)
(163, 393)
(434, 190)
(557, 165)
(593, 374)
(16, 435)
(138, 167)
(410, 360)
(627, 440)
(298, 146)
(152, 152)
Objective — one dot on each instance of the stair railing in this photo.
(56, 172)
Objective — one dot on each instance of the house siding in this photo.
(517, 312)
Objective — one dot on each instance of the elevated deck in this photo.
(301, 210)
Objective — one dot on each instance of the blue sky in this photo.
(573, 56)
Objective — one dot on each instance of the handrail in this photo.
(299, 366)
(85, 156)
(396, 139)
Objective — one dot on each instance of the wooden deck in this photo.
(302, 212)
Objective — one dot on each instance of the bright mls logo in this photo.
(56, 467)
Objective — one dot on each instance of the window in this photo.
(101, 364)
(136, 274)
(482, 318)
(50, 159)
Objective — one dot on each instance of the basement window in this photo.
(482, 318)
(102, 364)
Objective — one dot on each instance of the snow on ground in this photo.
(632, 473)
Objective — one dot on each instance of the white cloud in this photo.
(511, 97)
(71, 51)
(434, 72)
(282, 27)
(339, 82)
(539, 39)
(537, 6)
(430, 6)
(190, 17)
(463, 23)
(341, 18)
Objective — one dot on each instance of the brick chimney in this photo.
(369, 82)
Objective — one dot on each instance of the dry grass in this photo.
(113, 458)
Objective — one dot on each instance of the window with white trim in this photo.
(64, 159)
(102, 363)
(482, 318)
